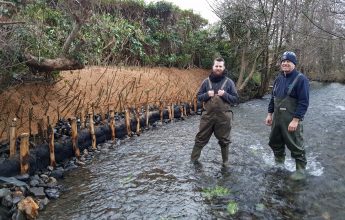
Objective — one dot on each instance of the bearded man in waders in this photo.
(218, 92)
(289, 103)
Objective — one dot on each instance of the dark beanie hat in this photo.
(288, 55)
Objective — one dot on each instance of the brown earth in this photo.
(104, 87)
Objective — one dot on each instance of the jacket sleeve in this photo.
(202, 94)
(302, 98)
(230, 95)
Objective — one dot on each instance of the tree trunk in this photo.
(77, 25)
(252, 71)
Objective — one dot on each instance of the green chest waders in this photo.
(215, 119)
(284, 109)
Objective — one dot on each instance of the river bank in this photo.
(104, 87)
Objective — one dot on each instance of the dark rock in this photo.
(4, 192)
(105, 150)
(79, 163)
(85, 152)
(18, 215)
(82, 158)
(4, 213)
(13, 181)
(70, 165)
(52, 182)
(58, 173)
(35, 177)
(42, 203)
(45, 178)
(45, 201)
(7, 201)
(20, 189)
(17, 198)
(23, 177)
(38, 192)
(34, 183)
(52, 193)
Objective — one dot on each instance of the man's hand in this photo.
(293, 125)
(210, 93)
(268, 120)
(221, 92)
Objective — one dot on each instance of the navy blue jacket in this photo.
(299, 92)
(230, 95)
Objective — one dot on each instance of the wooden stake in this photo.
(184, 109)
(147, 109)
(112, 124)
(24, 153)
(169, 111)
(195, 104)
(102, 115)
(40, 128)
(137, 114)
(51, 145)
(161, 111)
(46, 121)
(172, 112)
(93, 109)
(13, 137)
(92, 131)
(30, 120)
(82, 119)
(181, 109)
(58, 113)
(147, 115)
(75, 137)
(128, 121)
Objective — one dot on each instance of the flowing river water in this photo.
(150, 176)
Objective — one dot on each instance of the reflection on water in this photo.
(150, 177)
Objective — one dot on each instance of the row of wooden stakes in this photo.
(49, 132)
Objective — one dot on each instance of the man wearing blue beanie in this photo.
(287, 107)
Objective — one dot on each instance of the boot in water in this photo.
(279, 162)
(225, 156)
(300, 173)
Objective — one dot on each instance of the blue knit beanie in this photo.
(288, 55)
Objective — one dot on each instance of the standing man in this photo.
(218, 92)
(289, 103)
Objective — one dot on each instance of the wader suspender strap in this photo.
(221, 88)
(293, 84)
(224, 83)
(291, 87)
(209, 83)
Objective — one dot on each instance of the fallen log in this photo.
(39, 64)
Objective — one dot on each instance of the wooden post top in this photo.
(24, 135)
(14, 122)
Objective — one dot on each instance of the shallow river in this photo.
(150, 177)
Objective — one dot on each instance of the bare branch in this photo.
(72, 35)
(321, 28)
(7, 3)
(11, 22)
